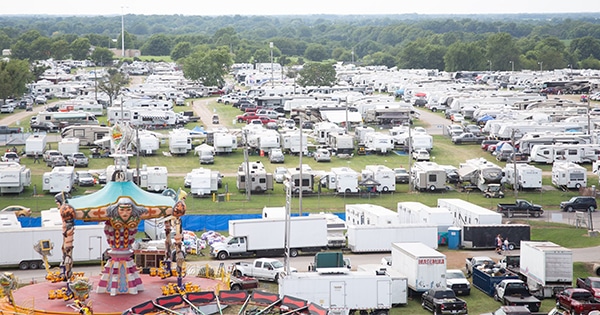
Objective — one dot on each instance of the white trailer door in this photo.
(95, 247)
(337, 294)
(384, 293)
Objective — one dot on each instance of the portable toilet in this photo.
(453, 238)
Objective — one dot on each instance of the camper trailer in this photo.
(68, 118)
(527, 176)
(259, 179)
(68, 146)
(341, 143)
(87, 134)
(383, 175)
(224, 142)
(59, 179)
(142, 116)
(202, 181)
(379, 143)
(153, 178)
(179, 142)
(480, 172)
(428, 176)
(147, 143)
(569, 175)
(294, 142)
(308, 179)
(14, 177)
(323, 129)
(343, 180)
(576, 153)
(35, 144)
(526, 143)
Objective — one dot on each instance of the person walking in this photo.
(499, 244)
(36, 157)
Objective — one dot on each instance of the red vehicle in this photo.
(591, 284)
(578, 301)
(265, 119)
(247, 117)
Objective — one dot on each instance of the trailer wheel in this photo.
(34, 265)
(222, 255)
(24, 265)
(385, 189)
(432, 188)
(577, 186)
(511, 246)
(293, 252)
(488, 196)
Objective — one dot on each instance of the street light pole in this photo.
(512, 66)
(122, 32)
(541, 63)
(490, 63)
(271, 46)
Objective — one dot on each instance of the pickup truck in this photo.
(474, 262)
(6, 130)
(467, 137)
(267, 269)
(591, 284)
(520, 207)
(443, 301)
(457, 282)
(242, 283)
(515, 292)
(510, 310)
(577, 301)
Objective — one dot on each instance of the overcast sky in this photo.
(283, 7)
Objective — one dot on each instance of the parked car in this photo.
(455, 130)
(7, 109)
(402, 176)
(279, 174)
(19, 211)
(276, 156)
(47, 126)
(77, 159)
(49, 154)
(11, 157)
(579, 203)
(486, 143)
(322, 155)
(57, 160)
(84, 178)
(421, 155)
(457, 118)
(215, 119)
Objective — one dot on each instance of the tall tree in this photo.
(207, 66)
(80, 48)
(316, 52)
(157, 45)
(112, 84)
(102, 56)
(500, 50)
(59, 49)
(181, 50)
(14, 77)
(317, 74)
(464, 56)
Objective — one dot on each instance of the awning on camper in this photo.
(393, 116)
(153, 115)
(339, 116)
(466, 172)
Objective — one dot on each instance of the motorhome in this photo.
(59, 179)
(14, 177)
(180, 142)
(341, 143)
(259, 179)
(67, 118)
(87, 134)
(569, 175)
(142, 117)
(342, 180)
(576, 153)
(428, 176)
(524, 176)
(35, 144)
(383, 175)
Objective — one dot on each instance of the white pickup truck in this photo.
(267, 269)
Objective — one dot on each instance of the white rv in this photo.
(308, 179)
(35, 144)
(202, 181)
(148, 143)
(293, 140)
(343, 180)
(142, 116)
(179, 142)
(421, 141)
(428, 176)
(14, 177)
(379, 143)
(323, 129)
(341, 143)
(576, 153)
(153, 178)
(269, 139)
(87, 134)
(548, 138)
(385, 176)
(68, 146)
(480, 172)
(259, 181)
(412, 212)
(224, 142)
(59, 179)
(67, 118)
(527, 176)
(569, 175)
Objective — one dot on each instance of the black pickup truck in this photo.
(443, 301)
(520, 207)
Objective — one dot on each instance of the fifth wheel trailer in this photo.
(369, 293)
(373, 238)
(265, 237)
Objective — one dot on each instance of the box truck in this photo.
(374, 238)
(266, 237)
(342, 294)
(547, 266)
(424, 266)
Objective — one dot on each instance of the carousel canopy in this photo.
(115, 190)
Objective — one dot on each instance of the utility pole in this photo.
(512, 138)
(248, 182)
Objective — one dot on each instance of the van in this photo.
(276, 156)
(579, 203)
(322, 155)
